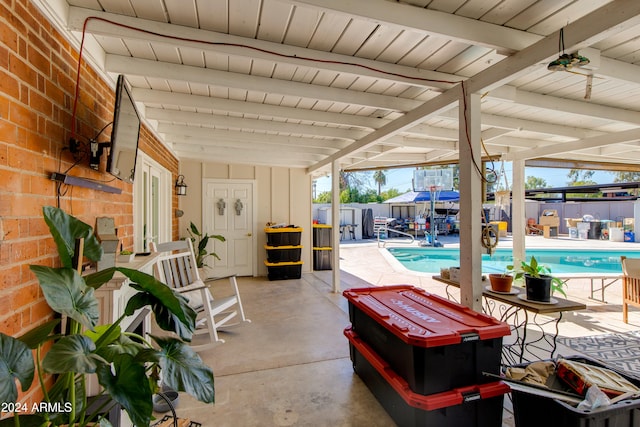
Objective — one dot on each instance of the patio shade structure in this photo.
(425, 196)
(432, 198)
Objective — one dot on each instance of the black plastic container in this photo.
(283, 253)
(473, 405)
(284, 270)
(432, 343)
(322, 258)
(595, 230)
(530, 410)
(321, 235)
(283, 236)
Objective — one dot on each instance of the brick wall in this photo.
(37, 85)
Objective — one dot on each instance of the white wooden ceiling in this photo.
(370, 83)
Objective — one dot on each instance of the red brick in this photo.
(22, 159)
(18, 67)
(11, 180)
(40, 104)
(8, 135)
(37, 59)
(11, 324)
(8, 84)
(25, 16)
(22, 116)
(10, 277)
(40, 311)
(23, 251)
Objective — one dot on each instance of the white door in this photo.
(228, 211)
(151, 186)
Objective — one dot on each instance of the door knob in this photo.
(248, 234)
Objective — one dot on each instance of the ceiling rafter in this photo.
(590, 27)
(331, 94)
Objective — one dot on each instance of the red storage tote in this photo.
(474, 405)
(433, 343)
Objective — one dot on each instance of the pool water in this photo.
(560, 261)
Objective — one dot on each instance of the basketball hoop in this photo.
(425, 180)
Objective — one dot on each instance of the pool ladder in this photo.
(384, 229)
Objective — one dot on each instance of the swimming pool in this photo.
(560, 261)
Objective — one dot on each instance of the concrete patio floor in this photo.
(291, 365)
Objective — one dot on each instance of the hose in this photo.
(489, 239)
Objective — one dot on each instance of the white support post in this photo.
(335, 220)
(518, 217)
(470, 200)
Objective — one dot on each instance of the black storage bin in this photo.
(322, 258)
(595, 230)
(432, 343)
(472, 405)
(284, 270)
(321, 235)
(283, 253)
(283, 236)
(530, 410)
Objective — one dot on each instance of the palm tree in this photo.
(381, 179)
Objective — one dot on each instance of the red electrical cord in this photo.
(269, 52)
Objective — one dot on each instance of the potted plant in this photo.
(501, 282)
(200, 242)
(539, 282)
(127, 366)
(126, 257)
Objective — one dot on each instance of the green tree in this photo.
(533, 183)
(580, 176)
(389, 194)
(353, 179)
(379, 178)
(324, 197)
(626, 176)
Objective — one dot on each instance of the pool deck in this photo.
(363, 263)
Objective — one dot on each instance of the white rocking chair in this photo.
(176, 267)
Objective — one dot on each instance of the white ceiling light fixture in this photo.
(566, 61)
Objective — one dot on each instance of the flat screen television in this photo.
(125, 132)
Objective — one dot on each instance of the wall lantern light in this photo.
(181, 187)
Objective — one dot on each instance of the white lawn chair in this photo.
(176, 267)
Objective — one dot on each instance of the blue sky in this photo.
(400, 179)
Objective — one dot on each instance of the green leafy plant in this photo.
(200, 244)
(127, 365)
(535, 269)
(507, 272)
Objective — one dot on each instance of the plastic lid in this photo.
(282, 264)
(267, 247)
(282, 229)
(422, 319)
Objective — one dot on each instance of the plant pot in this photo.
(500, 283)
(205, 272)
(126, 258)
(538, 288)
(165, 401)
